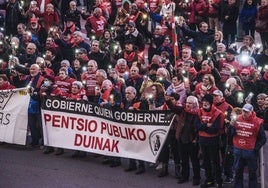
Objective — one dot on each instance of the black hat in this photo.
(208, 98)
(82, 51)
(70, 19)
(231, 51)
(129, 42)
(67, 32)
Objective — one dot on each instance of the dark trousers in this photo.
(190, 151)
(132, 163)
(227, 156)
(211, 161)
(171, 143)
(34, 123)
(244, 158)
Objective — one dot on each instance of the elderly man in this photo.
(89, 80)
(30, 56)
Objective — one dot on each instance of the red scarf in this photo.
(129, 57)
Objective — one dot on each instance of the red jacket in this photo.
(247, 132)
(6, 86)
(210, 117)
(64, 85)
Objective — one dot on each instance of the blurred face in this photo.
(69, 23)
(249, 2)
(49, 8)
(189, 104)
(175, 81)
(130, 95)
(134, 71)
(100, 79)
(95, 47)
(75, 89)
(204, 28)
(217, 36)
(107, 35)
(62, 75)
(131, 29)
(129, 47)
(154, 91)
(217, 99)
(49, 42)
(158, 30)
(246, 41)
(34, 70)
(230, 2)
(266, 102)
(113, 74)
(91, 67)
(204, 66)
(220, 48)
(30, 49)
(2, 81)
(72, 6)
(263, 2)
(205, 80)
(230, 57)
(167, 40)
(20, 29)
(186, 66)
(34, 25)
(206, 105)
(246, 115)
(77, 64)
(261, 101)
(77, 38)
(244, 76)
(186, 54)
(122, 67)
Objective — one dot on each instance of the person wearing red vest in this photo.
(209, 121)
(248, 138)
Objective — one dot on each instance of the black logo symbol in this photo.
(4, 98)
(156, 139)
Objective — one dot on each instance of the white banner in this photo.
(264, 163)
(14, 116)
(88, 127)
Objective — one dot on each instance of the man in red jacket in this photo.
(208, 125)
(248, 138)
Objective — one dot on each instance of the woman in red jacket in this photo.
(4, 83)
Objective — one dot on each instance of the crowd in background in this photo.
(178, 55)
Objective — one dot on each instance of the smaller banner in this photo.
(14, 115)
(79, 125)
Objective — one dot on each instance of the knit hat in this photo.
(78, 83)
(66, 62)
(208, 98)
(218, 93)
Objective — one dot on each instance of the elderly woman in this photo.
(186, 134)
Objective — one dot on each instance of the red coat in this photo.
(263, 16)
(50, 19)
(90, 82)
(64, 85)
(197, 8)
(97, 24)
(6, 86)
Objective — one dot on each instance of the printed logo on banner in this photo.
(156, 139)
(4, 98)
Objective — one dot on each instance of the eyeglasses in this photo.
(243, 74)
(30, 48)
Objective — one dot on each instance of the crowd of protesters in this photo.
(145, 55)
